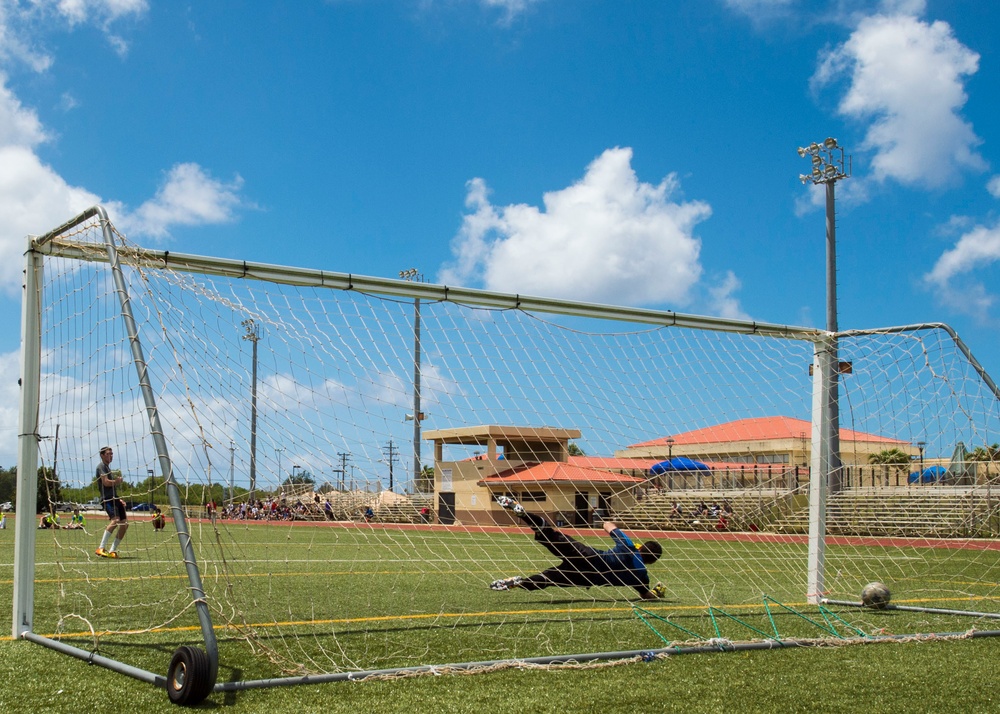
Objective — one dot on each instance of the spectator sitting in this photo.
(369, 514)
(425, 514)
(677, 510)
(77, 522)
(159, 522)
(49, 520)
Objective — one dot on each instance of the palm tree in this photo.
(988, 456)
(985, 453)
(895, 459)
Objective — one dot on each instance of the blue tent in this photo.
(929, 475)
(678, 463)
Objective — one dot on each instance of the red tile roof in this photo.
(612, 462)
(759, 429)
(556, 472)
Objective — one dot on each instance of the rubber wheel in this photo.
(189, 679)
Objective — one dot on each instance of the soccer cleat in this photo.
(111, 554)
(659, 590)
(510, 504)
(506, 583)
(101, 552)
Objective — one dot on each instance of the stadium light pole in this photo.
(232, 472)
(828, 167)
(252, 334)
(414, 275)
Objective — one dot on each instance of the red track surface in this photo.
(743, 537)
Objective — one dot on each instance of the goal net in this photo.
(337, 445)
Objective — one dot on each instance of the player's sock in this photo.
(104, 540)
(114, 546)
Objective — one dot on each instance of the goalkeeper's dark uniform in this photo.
(581, 565)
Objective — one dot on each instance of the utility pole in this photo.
(344, 456)
(391, 452)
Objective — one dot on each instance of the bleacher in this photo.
(750, 510)
(928, 512)
(404, 510)
(347, 505)
(931, 512)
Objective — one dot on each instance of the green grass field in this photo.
(290, 599)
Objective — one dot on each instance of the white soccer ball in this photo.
(875, 595)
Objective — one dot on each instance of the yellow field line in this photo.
(455, 616)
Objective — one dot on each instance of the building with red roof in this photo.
(533, 464)
(762, 440)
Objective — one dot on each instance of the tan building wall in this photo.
(785, 451)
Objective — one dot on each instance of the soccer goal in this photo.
(328, 450)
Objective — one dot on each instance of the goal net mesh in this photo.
(340, 556)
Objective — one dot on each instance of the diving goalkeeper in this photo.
(583, 566)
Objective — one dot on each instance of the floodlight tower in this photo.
(829, 165)
(414, 275)
(252, 334)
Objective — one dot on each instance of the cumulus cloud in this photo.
(10, 402)
(993, 186)
(722, 298)
(19, 23)
(607, 238)
(34, 198)
(907, 82)
(19, 126)
(189, 196)
(951, 277)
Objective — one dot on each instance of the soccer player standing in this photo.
(107, 484)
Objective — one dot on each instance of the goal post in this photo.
(268, 408)
(201, 678)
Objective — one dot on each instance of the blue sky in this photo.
(641, 153)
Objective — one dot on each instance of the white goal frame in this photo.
(825, 371)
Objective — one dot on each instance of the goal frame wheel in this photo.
(189, 677)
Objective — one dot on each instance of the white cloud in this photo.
(188, 197)
(510, 8)
(757, 8)
(722, 298)
(950, 278)
(10, 403)
(993, 186)
(34, 198)
(20, 21)
(18, 126)
(606, 238)
(907, 79)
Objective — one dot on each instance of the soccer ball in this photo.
(875, 595)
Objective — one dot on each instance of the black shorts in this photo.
(116, 510)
